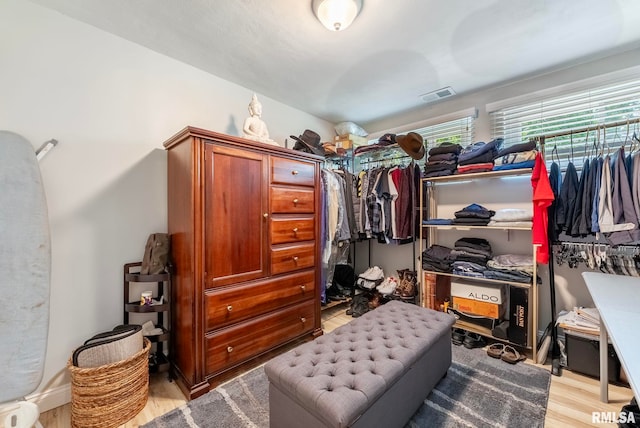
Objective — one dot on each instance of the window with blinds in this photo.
(458, 131)
(588, 109)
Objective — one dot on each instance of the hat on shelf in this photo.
(387, 139)
(412, 143)
(308, 142)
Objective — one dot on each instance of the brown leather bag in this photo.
(156, 254)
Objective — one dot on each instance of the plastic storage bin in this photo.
(583, 356)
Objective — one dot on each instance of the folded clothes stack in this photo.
(437, 258)
(471, 269)
(442, 160)
(476, 250)
(511, 217)
(471, 256)
(510, 267)
(478, 157)
(385, 141)
(473, 215)
(517, 156)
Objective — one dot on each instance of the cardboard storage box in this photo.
(583, 356)
(476, 307)
(349, 141)
(479, 320)
(518, 330)
(483, 292)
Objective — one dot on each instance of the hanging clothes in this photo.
(596, 194)
(384, 203)
(349, 188)
(578, 212)
(568, 193)
(606, 219)
(335, 226)
(542, 199)
(623, 208)
(635, 183)
(555, 181)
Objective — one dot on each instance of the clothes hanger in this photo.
(571, 146)
(586, 147)
(604, 141)
(555, 150)
(636, 135)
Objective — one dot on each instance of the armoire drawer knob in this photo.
(295, 230)
(295, 201)
(229, 349)
(229, 308)
(303, 287)
(265, 215)
(303, 319)
(294, 172)
(295, 259)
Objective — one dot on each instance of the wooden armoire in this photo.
(245, 239)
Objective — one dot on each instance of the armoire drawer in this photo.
(286, 200)
(292, 229)
(238, 343)
(289, 171)
(288, 258)
(231, 305)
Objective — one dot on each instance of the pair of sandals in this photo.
(506, 353)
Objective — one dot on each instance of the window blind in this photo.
(590, 108)
(459, 131)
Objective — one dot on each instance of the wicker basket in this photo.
(112, 394)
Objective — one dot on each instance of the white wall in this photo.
(110, 104)
(570, 288)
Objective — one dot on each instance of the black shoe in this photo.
(457, 336)
(629, 416)
(473, 340)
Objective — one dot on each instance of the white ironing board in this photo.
(25, 269)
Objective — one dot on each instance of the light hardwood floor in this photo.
(572, 397)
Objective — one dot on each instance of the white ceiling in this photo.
(394, 52)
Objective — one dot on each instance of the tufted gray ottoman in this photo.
(374, 371)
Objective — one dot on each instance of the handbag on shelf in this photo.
(156, 254)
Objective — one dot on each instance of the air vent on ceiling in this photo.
(438, 95)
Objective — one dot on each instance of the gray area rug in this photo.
(478, 391)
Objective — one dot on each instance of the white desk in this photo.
(617, 298)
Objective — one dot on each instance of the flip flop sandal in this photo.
(496, 350)
(511, 356)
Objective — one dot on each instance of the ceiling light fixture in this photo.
(336, 15)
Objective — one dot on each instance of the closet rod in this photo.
(388, 159)
(589, 128)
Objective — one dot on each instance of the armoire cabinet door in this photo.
(236, 215)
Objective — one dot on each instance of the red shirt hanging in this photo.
(542, 199)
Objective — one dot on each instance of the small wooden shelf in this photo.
(137, 307)
(138, 277)
(162, 363)
(488, 174)
(335, 303)
(473, 278)
(159, 337)
(461, 227)
(473, 328)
